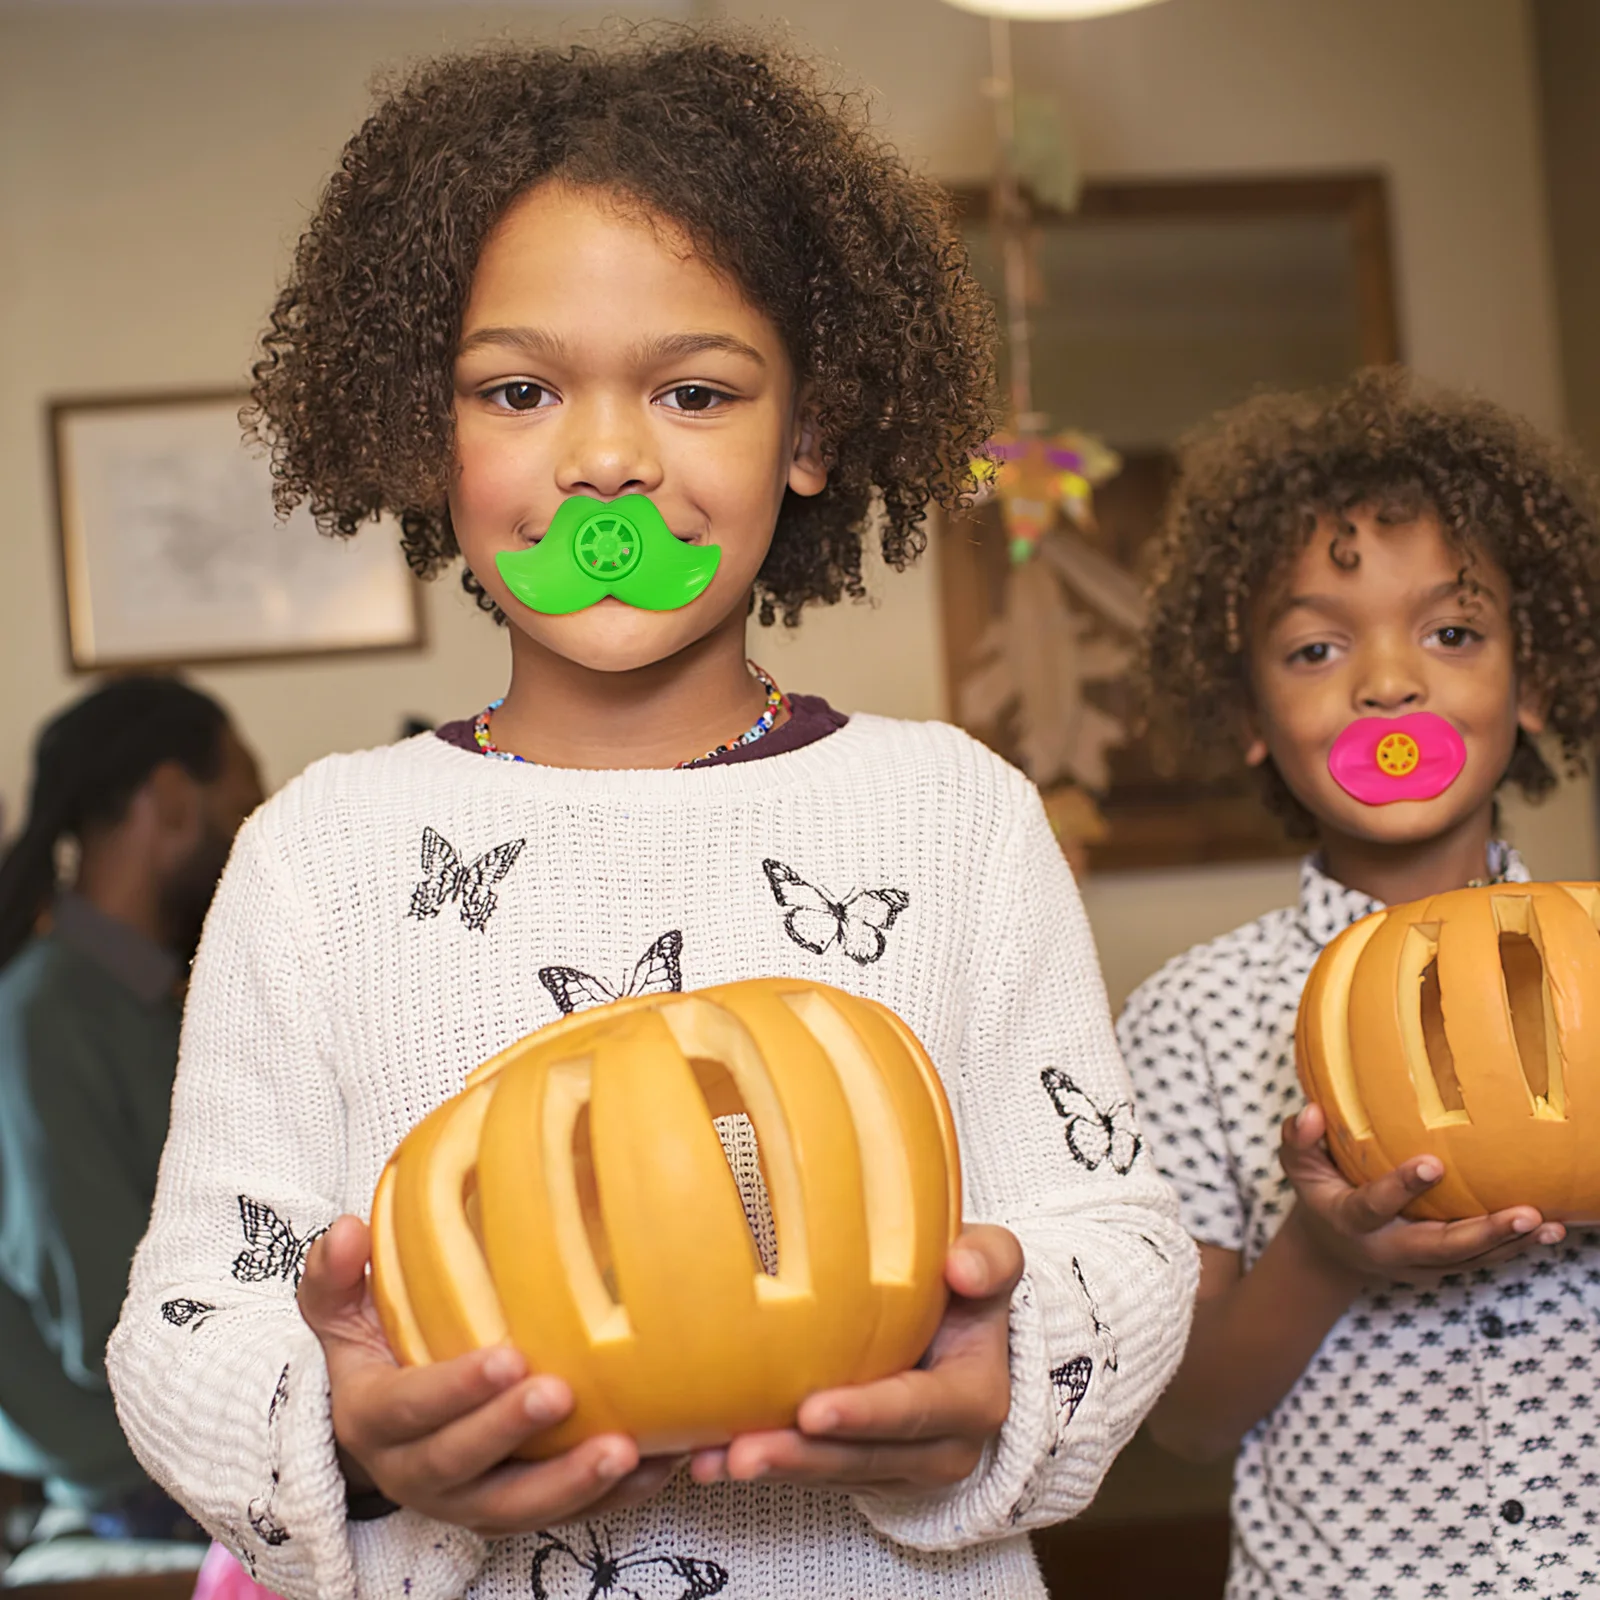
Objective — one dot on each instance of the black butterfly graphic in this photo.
(1102, 1328)
(1095, 1136)
(468, 883)
(1071, 1383)
(1156, 1250)
(262, 1510)
(659, 971)
(182, 1312)
(816, 921)
(234, 1541)
(272, 1249)
(561, 1572)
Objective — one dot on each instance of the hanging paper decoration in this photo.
(1034, 664)
(1038, 479)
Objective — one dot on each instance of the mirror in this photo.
(1154, 305)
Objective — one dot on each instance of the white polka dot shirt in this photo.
(1443, 1442)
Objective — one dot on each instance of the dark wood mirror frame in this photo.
(1154, 821)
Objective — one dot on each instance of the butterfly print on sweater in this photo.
(816, 920)
(563, 1571)
(658, 971)
(448, 879)
(185, 1313)
(262, 1510)
(1096, 1135)
(1102, 1328)
(272, 1248)
(1071, 1383)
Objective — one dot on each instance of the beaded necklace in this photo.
(777, 701)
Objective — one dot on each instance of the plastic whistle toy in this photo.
(1383, 759)
(608, 549)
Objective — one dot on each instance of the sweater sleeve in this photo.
(1051, 1150)
(1180, 1105)
(221, 1387)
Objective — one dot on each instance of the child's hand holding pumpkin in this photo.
(919, 1431)
(439, 1438)
(1360, 1230)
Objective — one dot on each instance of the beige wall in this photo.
(157, 163)
(1568, 35)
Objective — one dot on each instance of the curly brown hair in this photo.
(774, 177)
(1251, 487)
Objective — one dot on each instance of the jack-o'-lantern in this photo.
(576, 1201)
(1467, 1027)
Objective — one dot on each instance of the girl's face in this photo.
(600, 355)
(1392, 634)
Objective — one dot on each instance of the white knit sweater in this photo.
(392, 918)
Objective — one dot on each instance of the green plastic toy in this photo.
(598, 549)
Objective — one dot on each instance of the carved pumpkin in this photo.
(1465, 1026)
(575, 1200)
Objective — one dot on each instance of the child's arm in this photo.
(1255, 1332)
(1040, 1381)
(222, 1387)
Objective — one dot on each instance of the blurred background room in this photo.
(1194, 198)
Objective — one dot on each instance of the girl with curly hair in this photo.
(1380, 597)
(674, 280)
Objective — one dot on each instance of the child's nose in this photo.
(1389, 684)
(606, 451)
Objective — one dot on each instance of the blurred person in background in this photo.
(149, 780)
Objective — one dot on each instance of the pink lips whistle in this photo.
(1383, 759)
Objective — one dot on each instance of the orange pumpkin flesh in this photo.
(575, 1200)
(1467, 1027)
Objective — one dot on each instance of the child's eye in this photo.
(694, 397)
(519, 396)
(1455, 636)
(1316, 654)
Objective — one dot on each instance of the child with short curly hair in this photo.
(678, 273)
(1412, 1402)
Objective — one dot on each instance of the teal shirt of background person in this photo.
(89, 1019)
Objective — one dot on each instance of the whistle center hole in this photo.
(1398, 755)
(608, 546)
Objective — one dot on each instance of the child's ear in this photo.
(1532, 703)
(808, 472)
(1255, 747)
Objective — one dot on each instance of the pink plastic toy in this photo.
(222, 1578)
(1383, 759)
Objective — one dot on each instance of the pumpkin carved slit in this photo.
(594, 1222)
(1524, 979)
(1528, 1003)
(470, 1204)
(886, 1177)
(742, 1151)
(1428, 1053)
(582, 1240)
(1440, 1056)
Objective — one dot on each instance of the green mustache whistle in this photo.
(598, 549)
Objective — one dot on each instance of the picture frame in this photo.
(1321, 241)
(171, 553)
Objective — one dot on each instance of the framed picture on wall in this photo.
(1153, 305)
(172, 554)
